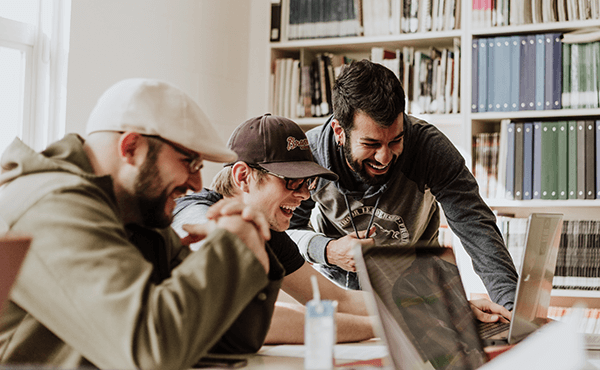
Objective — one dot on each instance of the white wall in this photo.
(215, 50)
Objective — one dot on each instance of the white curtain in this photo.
(50, 51)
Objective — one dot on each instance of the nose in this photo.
(303, 192)
(194, 181)
(384, 155)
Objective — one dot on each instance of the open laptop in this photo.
(534, 287)
(419, 298)
(12, 253)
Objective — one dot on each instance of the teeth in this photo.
(289, 207)
(377, 167)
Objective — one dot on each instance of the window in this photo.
(34, 37)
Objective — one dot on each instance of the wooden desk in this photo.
(268, 362)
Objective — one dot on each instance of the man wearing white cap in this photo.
(106, 282)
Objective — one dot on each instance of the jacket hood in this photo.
(65, 155)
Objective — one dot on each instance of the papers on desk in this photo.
(555, 346)
(341, 351)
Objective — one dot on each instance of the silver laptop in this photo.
(532, 300)
(426, 319)
(12, 253)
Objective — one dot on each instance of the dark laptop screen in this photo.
(421, 288)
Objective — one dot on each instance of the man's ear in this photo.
(132, 148)
(241, 173)
(338, 131)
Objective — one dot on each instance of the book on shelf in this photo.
(578, 259)
(572, 159)
(509, 185)
(590, 159)
(308, 19)
(581, 159)
(498, 13)
(562, 158)
(275, 34)
(527, 160)
(519, 161)
(474, 74)
(537, 161)
(540, 73)
(549, 178)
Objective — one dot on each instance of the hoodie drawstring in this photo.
(354, 226)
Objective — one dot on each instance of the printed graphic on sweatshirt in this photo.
(389, 227)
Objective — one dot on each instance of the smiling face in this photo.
(163, 177)
(270, 195)
(371, 149)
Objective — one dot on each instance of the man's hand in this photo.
(244, 221)
(488, 311)
(340, 252)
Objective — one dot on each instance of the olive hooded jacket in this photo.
(87, 296)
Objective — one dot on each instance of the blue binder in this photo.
(540, 74)
(510, 161)
(527, 160)
(502, 80)
(549, 71)
(519, 129)
(474, 76)
(515, 71)
(557, 73)
(482, 62)
(491, 73)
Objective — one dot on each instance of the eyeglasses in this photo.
(292, 184)
(297, 184)
(193, 160)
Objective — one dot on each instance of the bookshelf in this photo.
(461, 125)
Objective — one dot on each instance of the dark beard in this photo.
(360, 169)
(152, 209)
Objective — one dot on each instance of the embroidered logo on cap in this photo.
(293, 143)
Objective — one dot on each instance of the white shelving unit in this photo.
(461, 127)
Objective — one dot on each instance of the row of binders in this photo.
(578, 258)
(307, 19)
(497, 13)
(540, 160)
(516, 73)
(430, 79)
(536, 72)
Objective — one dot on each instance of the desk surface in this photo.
(262, 361)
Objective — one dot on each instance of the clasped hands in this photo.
(249, 224)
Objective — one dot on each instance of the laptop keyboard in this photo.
(488, 329)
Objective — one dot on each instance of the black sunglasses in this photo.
(291, 184)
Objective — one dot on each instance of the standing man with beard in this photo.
(393, 171)
(107, 283)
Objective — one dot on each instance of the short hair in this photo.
(223, 181)
(364, 86)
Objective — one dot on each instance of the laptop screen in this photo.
(418, 291)
(537, 272)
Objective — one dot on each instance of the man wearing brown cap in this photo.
(106, 282)
(273, 173)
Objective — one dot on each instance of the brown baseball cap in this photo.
(278, 145)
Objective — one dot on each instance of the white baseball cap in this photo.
(157, 108)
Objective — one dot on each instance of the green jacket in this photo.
(86, 295)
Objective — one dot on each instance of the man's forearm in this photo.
(287, 326)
